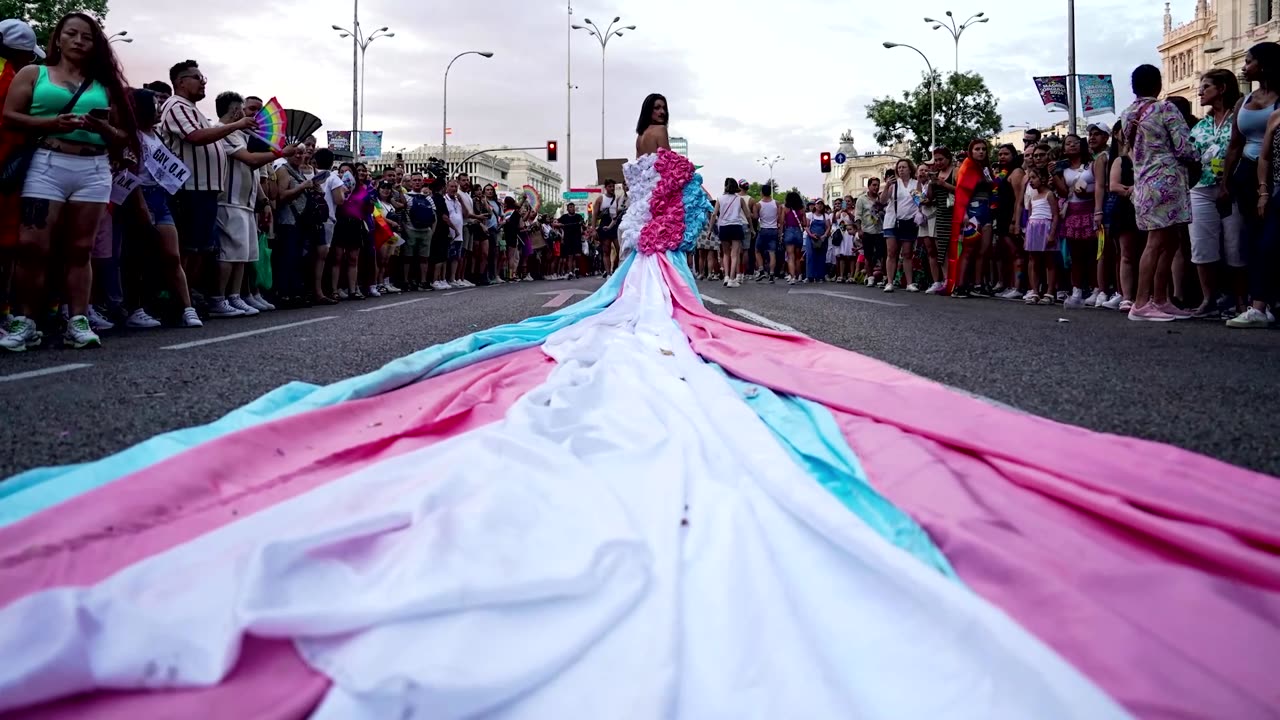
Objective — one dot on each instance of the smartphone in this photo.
(99, 114)
(1061, 166)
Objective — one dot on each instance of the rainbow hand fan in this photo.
(532, 196)
(271, 122)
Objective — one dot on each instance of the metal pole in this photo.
(363, 66)
(355, 80)
(603, 46)
(568, 99)
(1071, 63)
(444, 125)
(933, 112)
(957, 54)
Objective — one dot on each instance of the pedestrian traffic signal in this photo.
(551, 151)
(825, 160)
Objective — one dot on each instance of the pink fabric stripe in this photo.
(103, 531)
(1152, 569)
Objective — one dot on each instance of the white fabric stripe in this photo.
(539, 568)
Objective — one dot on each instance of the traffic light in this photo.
(825, 160)
(551, 151)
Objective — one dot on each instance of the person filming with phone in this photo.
(75, 110)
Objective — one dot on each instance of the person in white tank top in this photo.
(766, 216)
(731, 217)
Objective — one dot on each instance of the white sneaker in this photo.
(528, 277)
(913, 288)
(20, 334)
(1250, 318)
(140, 319)
(1112, 303)
(935, 288)
(456, 285)
(1125, 306)
(260, 303)
(870, 281)
(499, 281)
(372, 291)
(1062, 295)
(341, 295)
(253, 302)
(1012, 293)
(467, 283)
(79, 335)
(97, 321)
(1076, 301)
(191, 319)
(387, 287)
(791, 281)
(1030, 298)
(1094, 298)
(220, 308)
(239, 304)
(441, 285)
(888, 287)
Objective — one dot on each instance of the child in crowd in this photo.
(1041, 237)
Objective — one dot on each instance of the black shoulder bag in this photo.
(13, 172)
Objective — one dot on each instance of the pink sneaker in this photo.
(1169, 308)
(1149, 312)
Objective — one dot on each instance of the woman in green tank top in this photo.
(75, 108)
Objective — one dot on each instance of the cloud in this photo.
(743, 80)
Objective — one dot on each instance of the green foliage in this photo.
(43, 15)
(778, 193)
(551, 207)
(965, 109)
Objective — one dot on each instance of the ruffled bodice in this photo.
(667, 207)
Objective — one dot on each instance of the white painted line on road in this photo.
(713, 301)
(458, 292)
(391, 305)
(846, 297)
(561, 297)
(53, 370)
(247, 333)
(766, 322)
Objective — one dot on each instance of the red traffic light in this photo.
(825, 160)
(551, 151)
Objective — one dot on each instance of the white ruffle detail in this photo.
(642, 179)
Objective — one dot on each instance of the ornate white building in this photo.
(1217, 36)
(508, 170)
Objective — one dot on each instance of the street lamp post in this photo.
(769, 162)
(604, 37)
(957, 30)
(444, 129)
(568, 98)
(362, 44)
(933, 111)
(120, 37)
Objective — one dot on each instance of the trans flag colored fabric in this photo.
(637, 508)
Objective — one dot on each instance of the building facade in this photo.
(527, 169)
(679, 146)
(1217, 36)
(851, 177)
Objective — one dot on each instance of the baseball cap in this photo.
(1101, 127)
(744, 182)
(17, 35)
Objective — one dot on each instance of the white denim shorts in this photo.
(60, 177)
(1214, 237)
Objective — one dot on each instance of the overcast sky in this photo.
(743, 80)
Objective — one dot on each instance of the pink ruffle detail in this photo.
(665, 230)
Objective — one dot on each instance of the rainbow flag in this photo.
(635, 507)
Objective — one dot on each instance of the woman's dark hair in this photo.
(646, 111)
(1114, 150)
(144, 107)
(344, 167)
(158, 87)
(794, 201)
(1086, 157)
(102, 67)
(944, 151)
(1016, 162)
(1184, 107)
(1227, 84)
(509, 203)
(1145, 81)
(1267, 54)
(323, 159)
(731, 186)
(911, 167)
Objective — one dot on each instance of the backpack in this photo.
(314, 210)
(422, 211)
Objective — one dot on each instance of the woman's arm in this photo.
(1100, 183)
(1235, 150)
(1117, 175)
(17, 103)
(1053, 215)
(1264, 163)
(1018, 178)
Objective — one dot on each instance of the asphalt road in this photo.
(1192, 384)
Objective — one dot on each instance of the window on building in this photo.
(1263, 11)
(504, 175)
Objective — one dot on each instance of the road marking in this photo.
(561, 296)
(846, 297)
(44, 371)
(762, 320)
(247, 333)
(713, 301)
(457, 292)
(391, 305)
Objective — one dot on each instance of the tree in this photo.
(754, 191)
(43, 15)
(966, 109)
(550, 207)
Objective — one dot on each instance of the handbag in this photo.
(13, 171)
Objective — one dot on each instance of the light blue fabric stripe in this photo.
(41, 488)
(810, 434)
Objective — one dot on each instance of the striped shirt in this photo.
(208, 163)
(241, 181)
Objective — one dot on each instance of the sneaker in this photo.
(79, 335)
(913, 288)
(529, 277)
(236, 302)
(140, 319)
(1047, 299)
(455, 285)
(1062, 295)
(1094, 298)
(791, 281)
(1168, 308)
(97, 321)
(387, 287)
(1271, 319)
(888, 288)
(998, 290)
(468, 284)
(1125, 306)
(1112, 303)
(735, 283)
(960, 292)
(980, 291)
(341, 295)
(1250, 318)
(256, 302)
(499, 281)
(871, 281)
(936, 288)
(1030, 298)
(20, 334)
(220, 308)
(190, 318)
(372, 291)
(1076, 301)
(1149, 313)
(441, 285)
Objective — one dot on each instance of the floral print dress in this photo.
(1159, 140)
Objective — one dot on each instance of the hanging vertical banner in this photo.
(1053, 91)
(340, 140)
(370, 143)
(1097, 95)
